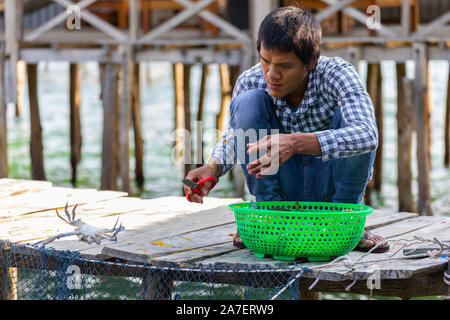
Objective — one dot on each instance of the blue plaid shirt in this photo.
(333, 83)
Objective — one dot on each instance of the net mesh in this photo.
(31, 273)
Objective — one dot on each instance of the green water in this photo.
(162, 175)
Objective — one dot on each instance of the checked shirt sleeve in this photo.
(343, 86)
(224, 148)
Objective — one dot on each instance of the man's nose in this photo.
(273, 73)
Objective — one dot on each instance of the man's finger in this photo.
(206, 188)
(195, 197)
(258, 165)
(259, 145)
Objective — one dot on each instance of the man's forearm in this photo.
(306, 143)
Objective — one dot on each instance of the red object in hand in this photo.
(195, 185)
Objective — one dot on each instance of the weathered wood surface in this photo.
(172, 232)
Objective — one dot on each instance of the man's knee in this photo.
(250, 107)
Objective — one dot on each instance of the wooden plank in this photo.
(217, 21)
(188, 258)
(50, 199)
(175, 20)
(162, 217)
(395, 269)
(376, 222)
(407, 226)
(143, 251)
(14, 187)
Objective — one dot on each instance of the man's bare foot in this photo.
(370, 240)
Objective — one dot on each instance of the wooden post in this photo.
(447, 127)
(306, 294)
(13, 33)
(3, 122)
(137, 126)
(374, 88)
(236, 172)
(21, 70)
(125, 112)
(179, 105)
(226, 91)
(187, 117)
(156, 286)
(110, 97)
(420, 102)
(75, 119)
(201, 103)
(405, 128)
(36, 146)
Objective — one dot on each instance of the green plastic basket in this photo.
(288, 230)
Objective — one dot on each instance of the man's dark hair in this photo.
(291, 29)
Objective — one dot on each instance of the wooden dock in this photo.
(171, 232)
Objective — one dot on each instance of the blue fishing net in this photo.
(39, 273)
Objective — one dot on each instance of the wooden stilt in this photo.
(420, 101)
(236, 173)
(405, 128)
(374, 88)
(306, 294)
(226, 91)
(187, 117)
(110, 84)
(21, 69)
(148, 73)
(201, 103)
(75, 119)
(179, 104)
(125, 119)
(447, 127)
(3, 122)
(156, 286)
(13, 34)
(36, 146)
(137, 126)
(428, 110)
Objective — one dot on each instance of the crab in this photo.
(84, 231)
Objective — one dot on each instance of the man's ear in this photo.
(313, 65)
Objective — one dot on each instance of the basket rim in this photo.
(238, 207)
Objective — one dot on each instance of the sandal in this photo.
(370, 240)
(237, 242)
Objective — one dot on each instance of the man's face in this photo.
(286, 75)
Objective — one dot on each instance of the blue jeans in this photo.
(302, 177)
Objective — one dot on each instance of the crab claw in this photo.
(67, 212)
(73, 212)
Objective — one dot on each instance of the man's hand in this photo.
(280, 147)
(198, 174)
